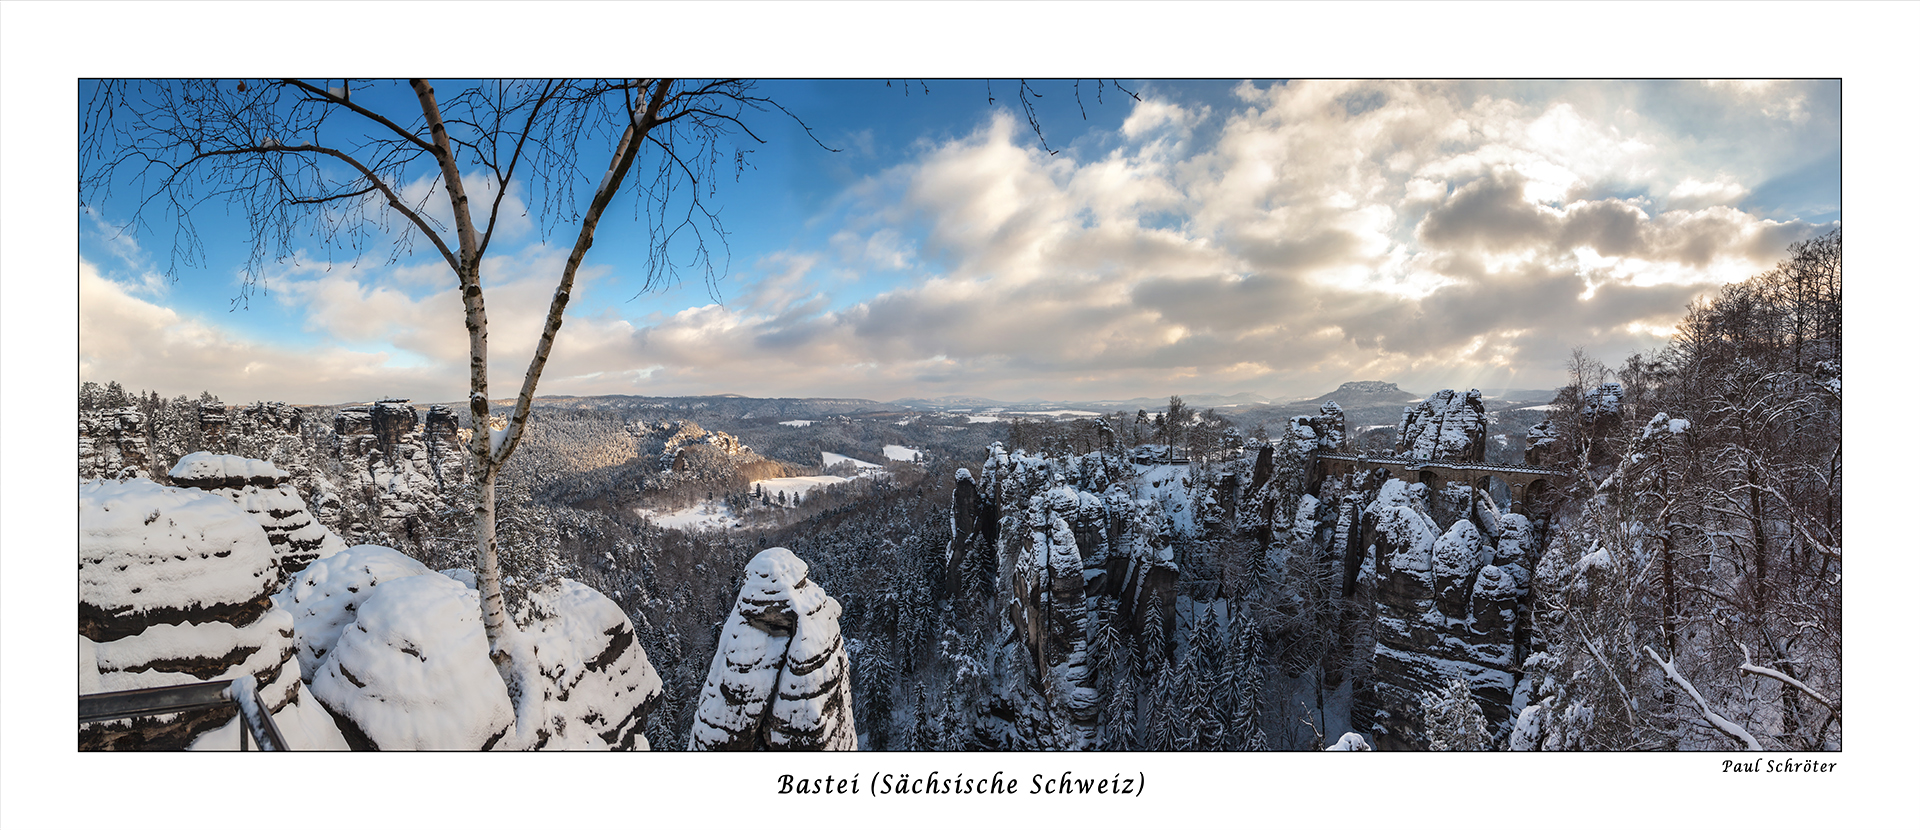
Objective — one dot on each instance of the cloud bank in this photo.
(1288, 239)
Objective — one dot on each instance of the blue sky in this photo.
(1211, 236)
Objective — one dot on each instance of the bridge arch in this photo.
(1534, 490)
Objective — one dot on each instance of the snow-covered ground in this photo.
(828, 459)
(1541, 408)
(795, 485)
(796, 423)
(1061, 413)
(706, 515)
(982, 419)
(897, 452)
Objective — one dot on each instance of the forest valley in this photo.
(1175, 579)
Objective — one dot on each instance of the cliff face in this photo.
(400, 473)
(780, 677)
(1447, 426)
(1395, 591)
(113, 444)
(1325, 431)
(1447, 604)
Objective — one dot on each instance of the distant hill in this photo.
(1203, 400)
(1358, 393)
(719, 406)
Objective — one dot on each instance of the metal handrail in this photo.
(1416, 463)
(242, 693)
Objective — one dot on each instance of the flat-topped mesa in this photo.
(780, 678)
(1447, 426)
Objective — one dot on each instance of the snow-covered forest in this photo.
(1652, 560)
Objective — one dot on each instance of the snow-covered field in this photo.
(828, 459)
(1061, 413)
(982, 419)
(795, 485)
(714, 515)
(796, 423)
(900, 453)
(703, 516)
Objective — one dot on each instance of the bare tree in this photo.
(346, 163)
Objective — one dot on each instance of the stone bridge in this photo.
(1525, 483)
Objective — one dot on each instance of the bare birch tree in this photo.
(345, 165)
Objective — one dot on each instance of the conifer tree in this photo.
(1454, 720)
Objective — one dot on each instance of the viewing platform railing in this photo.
(241, 693)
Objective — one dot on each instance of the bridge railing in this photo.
(241, 693)
(1414, 463)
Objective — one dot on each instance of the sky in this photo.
(1259, 236)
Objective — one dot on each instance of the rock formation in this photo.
(326, 596)
(113, 443)
(688, 439)
(1542, 441)
(175, 588)
(591, 685)
(597, 686)
(265, 492)
(780, 677)
(1060, 534)
(401, 474)
(412, 672)
(1325, 431)
(1448, 604)
(1447, 426)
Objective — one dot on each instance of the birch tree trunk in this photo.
(488, 456)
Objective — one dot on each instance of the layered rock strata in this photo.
(1447, 603)
(175, 588)
(780, 677)
(267, 494)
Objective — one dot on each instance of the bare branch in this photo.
(322, 96)
(1749, 667)
(1732, 729)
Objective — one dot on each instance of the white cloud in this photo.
(149, 346)
(1434, 234)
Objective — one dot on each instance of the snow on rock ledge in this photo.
(1447, 426)
(779, 679)
(598, 685)
(429, 680)
(412, 672)
(262, 490)
(151, 554)
(324, 598)
(175, 588)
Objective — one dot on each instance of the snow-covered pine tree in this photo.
(1118, 716)
(1454, 720)
(1161, 733)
